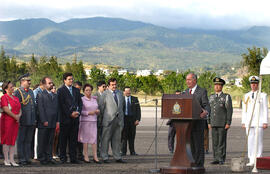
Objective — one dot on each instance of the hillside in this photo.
(130, 44)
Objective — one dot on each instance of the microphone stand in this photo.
(155, 170)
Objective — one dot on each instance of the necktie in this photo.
(128, 106)
(70, 90)
(190, 91)
(252, 95)
(115, 97)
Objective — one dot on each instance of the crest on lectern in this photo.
(176, 108)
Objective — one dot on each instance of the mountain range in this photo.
(130, 44)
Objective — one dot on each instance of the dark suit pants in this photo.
(171, 137)
(69, 136)
(99, 137)
(197, 146)
(128, 134)
(45, 143)
(219, 138)
(25, 136)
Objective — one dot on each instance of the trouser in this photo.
(128, 134)
(80, 150)
(111, 133)
(171, 137)
(45, 143)
(219, 141)
(252, 143)
(99, 138)
(206, 139)
(197, 142)
(24, 141)
(69, 136)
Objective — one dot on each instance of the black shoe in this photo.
(63, 162)
(221, 162)
(97, 162)
(75, 162)
(133, 154)
(43, 162)
(120, 161)
(28, 162)
(206, 152)
(214, 162)
(52, 162)
(123, 154)
(106, 161)
(86, 161)
(23, 163)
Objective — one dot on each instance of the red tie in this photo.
(190, 91)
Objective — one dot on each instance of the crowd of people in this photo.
(47, 123)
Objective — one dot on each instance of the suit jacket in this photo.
(135, 108)
(200, 95)
(247, 107)
(48, 109)
(109, 108)
(69, 103)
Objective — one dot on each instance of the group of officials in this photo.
(117, 115)
(217, 113)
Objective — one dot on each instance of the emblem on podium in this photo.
(176, 109)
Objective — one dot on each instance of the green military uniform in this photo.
(221, 114)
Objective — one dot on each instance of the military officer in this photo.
(249, 120)
(27, 121)
(219, 120)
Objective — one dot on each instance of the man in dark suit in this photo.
(70, 104)
(197, 131)
(132, 117)
(111, 107)
(47, 119)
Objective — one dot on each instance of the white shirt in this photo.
(193, 89)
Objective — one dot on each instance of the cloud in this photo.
(230, 14)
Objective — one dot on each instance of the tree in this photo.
(252, 61)
(150, 85)
(96, 75)
(3, 65)
(205, 80)
(132, 81)
(173, 82)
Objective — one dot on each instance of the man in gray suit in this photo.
(111, 107)
(197, 131)
(101, 87)
(47, 119)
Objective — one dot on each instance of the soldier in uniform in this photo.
(249, 120)
(219, 120)
(27, 120)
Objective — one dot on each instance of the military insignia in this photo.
(217, 79)
(253, 78)
(176, 109)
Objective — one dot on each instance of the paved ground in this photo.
(146, 160)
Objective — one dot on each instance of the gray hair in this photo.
(194, 76)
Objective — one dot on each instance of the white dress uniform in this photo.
(247, 107)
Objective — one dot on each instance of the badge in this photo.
(176, 109)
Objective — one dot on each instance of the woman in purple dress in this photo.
(88, 123)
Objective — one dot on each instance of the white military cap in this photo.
(254, 79)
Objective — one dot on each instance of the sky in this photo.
(204, 14)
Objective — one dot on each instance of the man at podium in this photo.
(197, 131)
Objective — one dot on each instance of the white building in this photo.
(159, 72)
(238, 82)
(87, 72)
(105, 71)
(145, 72)
(122, 71)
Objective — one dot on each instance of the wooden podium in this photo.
(183, 109)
